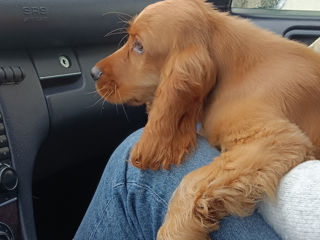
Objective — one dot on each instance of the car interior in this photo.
(56, 133)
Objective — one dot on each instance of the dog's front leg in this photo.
(233, 183)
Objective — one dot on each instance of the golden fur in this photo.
(255, 94)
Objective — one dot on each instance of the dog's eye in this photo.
(137, 47)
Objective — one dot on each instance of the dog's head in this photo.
(168, 49)
(167, 61)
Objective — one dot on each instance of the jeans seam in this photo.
(101, 219)
(146, 187)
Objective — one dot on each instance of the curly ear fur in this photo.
(170, 133)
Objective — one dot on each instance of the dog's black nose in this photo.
(95, 73)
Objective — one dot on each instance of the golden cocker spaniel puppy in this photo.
(255, 94)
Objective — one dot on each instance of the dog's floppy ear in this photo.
(170, 133)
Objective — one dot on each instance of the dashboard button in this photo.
(19, 74)
(4, 153)
(8, 178)
(3, 141)
(11, 75)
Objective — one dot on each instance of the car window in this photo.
(277, 8)
(297, 5)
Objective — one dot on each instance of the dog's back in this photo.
(263, 70)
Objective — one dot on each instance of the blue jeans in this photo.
(131, 204)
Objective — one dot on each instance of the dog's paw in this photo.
(166, 232)
(181, 227)
(181, 221)
(152, 153)
(143, 157)
(146, 155)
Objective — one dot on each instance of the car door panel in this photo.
(285, 22)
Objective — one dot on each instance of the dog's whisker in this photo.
(124, 110)
(96, 91)
(124, 20)
(102, 106)
(124, 37)
(116, 31)
(99, 100)
(127, 22)
(95, 103)
(88, 93)
(123, 17)
(105, 98)
(115, 90)
(109, 95)
(92, 105)
(106, 95)
(119, 13)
